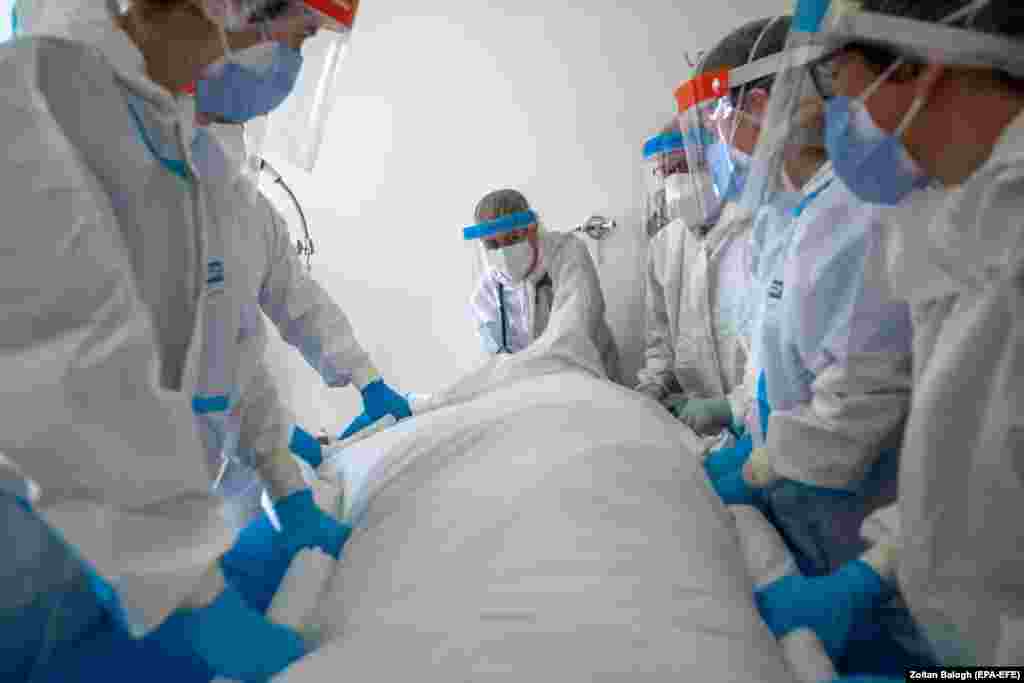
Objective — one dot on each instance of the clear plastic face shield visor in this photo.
(793, 137)
(664, 176)
(709, 117)
(504, 249)
(294, 130)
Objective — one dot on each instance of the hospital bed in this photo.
(558, 528)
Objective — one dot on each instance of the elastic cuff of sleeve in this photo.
(760, 470)
(281, 473)
(365, 375)
(882, 558)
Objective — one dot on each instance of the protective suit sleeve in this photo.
(576, 330)
(84, 409)
(306, 315)
(266, 428)
(833, 441)
(741, 398)
(882, 528)
(658, 354)
(854, 336)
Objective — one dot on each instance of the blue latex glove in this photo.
(357, 425)
(675, 403)
(725, 460)
(827, 605)
(304, 525)
(866, 679)
(733, 489)
(231, 638)
(256, 563)
(306, 446)
(706, 415)
(379, 400)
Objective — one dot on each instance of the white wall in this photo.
(440, 103)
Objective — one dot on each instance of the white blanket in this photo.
(556, 529)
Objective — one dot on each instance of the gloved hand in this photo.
(306, 446)
(675, 403)
(231, 638)
(304, 525)
(866, 679)
(827, 605)
(361, 422)
(257, 562)
(725, 460)
(706, 415)
(379, 400)
(734, 489)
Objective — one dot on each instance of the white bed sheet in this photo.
(556, 529)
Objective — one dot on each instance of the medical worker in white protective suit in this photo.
(305, 315)
(712, 353)
(537, 287)
(131, 312)
(253, 83)
(833, 345)
(924, 91)
(674, 228)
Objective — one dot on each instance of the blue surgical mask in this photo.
(874, 164)
(729, 168)
(240, 93)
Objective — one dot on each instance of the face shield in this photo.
(710, 112)
(790, 150)
(664, 181)
(873, 162)
(294, 130)
(505, 248)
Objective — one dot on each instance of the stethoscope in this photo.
(504, 320)
(304, 246)
(503, 315)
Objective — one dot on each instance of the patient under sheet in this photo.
(554, 527)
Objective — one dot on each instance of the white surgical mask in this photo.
(675, 187)
(513, 261)
(687, 207)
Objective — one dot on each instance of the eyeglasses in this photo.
(506, 239)
(824, 71)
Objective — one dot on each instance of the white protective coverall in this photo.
(572, 328)
(961, 545)
(129, 303)
(567, 315)
(695, 334)
(837, 365)
(840, 383)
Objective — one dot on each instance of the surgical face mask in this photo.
(874, 164)
(513, 261)
(729, 168)
(688, 208)
(676, 186)
(239, 92)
